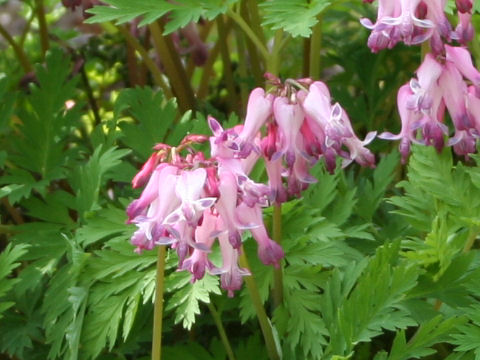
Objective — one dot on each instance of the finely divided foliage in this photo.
(296, 17)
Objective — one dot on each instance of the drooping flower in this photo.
(410, 122)
(336, 129)
(259, 109)
(205, 234)
(441, 85)
(269, 252)
(189, 201)
(411, 22)
(231, 273)
(464, 6)
(461, 59)
(397, 21)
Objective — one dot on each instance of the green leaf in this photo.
(47, 123)
(48, 243)
(7, 103)
(106, 223)
(154, 119)
(123, 11)
(429, 333)
(8, 258)
(187, 296)
(122, 280)
(87, 179)
(371, 192)
(53, 208)
(64, 307)
(192, 10)
(189, 351)
(17, 332)
(253, 348)
(375, 302)
(21, 183)
(300, 324)
(453, 287)
(179, 13)
(296, 17)
(476, 6)
(467, 335)
(439, 246)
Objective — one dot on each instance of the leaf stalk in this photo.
(277, 273)
(221, 331)
(158, 307)
(265, 324)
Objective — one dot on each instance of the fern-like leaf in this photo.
(296, 17)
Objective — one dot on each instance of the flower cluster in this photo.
(416, 21)
(446, 80)
(191, 200)
(441, 84)
(301, 127)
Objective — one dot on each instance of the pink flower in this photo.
(464, 6)
(190, 190)
(259, 109)
(289, 118)
(397, 21)
(464, 31)
(336, 129)
(441, 86)
(149, 212)
(462, 60)
(454, 94)
(410, 122)
(144, 174)
(274, 171)
(268, 250)
(428, 74)
(410, 21)
(205, 234)
(227, 205)
(223, 143)
(151, 191)
(230, 273)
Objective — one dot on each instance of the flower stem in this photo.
(243, 72)
(249, 12)
(90, 96)
(158, 308)
(156, 73)
(314, 51)
(14, 213)
(265, 325)
(227, 64)
(254, 17)
(221, 331)
(173, 68)
(472, 236)
(277, 273)
(42, 24)
(207, 70)
(425, 49)
(273, 62)
(249, 32)
(19, 53)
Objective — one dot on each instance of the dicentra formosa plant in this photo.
(190, 200)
